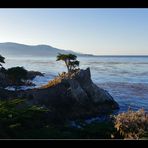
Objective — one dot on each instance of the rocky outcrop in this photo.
(6, 94)
(72, 97)
(87, 87)
(32, 74)
(75, 96)
(4, 81)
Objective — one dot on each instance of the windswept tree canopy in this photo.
(66, 57)
(2, 60)
(74, 64)
(70, 61)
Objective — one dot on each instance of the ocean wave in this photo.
(38, 81)
(125, 78)
(115, 63)
(133, 95)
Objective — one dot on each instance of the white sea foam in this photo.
(38, 81)
(12, 88)
(126, 78)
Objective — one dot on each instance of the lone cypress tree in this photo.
(70, 61)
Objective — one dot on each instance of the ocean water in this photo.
(124, 77)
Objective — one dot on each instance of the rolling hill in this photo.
(10, 49)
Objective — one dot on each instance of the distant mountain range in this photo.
(10, 49)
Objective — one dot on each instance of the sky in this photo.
(91, 31)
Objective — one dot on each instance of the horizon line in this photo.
(87, 54)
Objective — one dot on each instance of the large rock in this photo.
(75, 96)
(93, 92)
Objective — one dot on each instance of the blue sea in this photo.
(124, 77)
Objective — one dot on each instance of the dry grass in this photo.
(59, 78)
(52, 83)
(132, 125)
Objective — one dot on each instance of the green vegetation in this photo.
(71, 64)
(17, 117)
(17, 75)
(2, 60)
(70, 61)
(20, 120)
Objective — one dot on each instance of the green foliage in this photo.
(73, 65)
(17, 75)
(2, 60)
(70, 61)
(18, 120)
(16, 116)
(66, 57)
(132, 125)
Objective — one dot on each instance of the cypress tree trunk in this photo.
(68, 69)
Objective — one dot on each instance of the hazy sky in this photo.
(95, 31)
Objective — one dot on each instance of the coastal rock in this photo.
(94, 93)
(4, 81)
(72, 97)
(32, 74)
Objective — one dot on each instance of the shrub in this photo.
(16, 116)
(132, 125)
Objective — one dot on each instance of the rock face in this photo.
(72, 97)
(82, 84)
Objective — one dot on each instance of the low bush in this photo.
(131, 124)
(16, 116)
